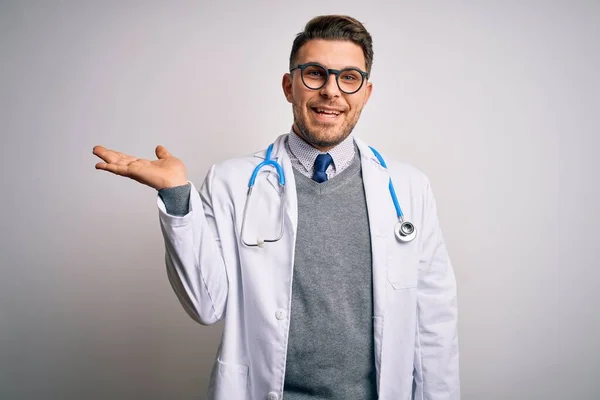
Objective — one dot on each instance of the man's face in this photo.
(324, 130)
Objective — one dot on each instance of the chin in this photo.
(322, 133)
(319, 137)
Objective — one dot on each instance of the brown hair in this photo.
(335, 27)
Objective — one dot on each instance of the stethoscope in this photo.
(404, 230)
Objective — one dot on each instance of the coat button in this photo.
(279, 314)
(272, 396)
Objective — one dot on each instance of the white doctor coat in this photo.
(215, 276)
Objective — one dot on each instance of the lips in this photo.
(330, 112)
(327, 112)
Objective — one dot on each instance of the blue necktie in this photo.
(321, 163)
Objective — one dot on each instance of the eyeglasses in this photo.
(315, 76)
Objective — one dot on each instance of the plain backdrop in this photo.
(496, 101)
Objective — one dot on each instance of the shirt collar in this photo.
(342, 154)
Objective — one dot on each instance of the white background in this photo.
(497, 102)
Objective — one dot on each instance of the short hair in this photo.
(335, 27)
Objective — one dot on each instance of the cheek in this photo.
(302, 102)
(355, 107)
(303, 95)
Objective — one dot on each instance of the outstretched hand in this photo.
(165, 172)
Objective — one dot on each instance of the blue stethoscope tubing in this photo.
(267, 162)
(404, 230)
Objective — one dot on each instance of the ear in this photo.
(286, 85)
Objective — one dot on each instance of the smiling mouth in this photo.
(326, 112)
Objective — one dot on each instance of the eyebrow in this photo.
(346, 67)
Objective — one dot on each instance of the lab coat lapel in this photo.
(381, 221)
(280, 155)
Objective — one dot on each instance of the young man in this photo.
(325, 295)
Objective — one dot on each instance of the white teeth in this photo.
(320, 110)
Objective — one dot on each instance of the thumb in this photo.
(161, 152)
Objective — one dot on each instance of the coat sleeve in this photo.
(194, 257)
(436, 373)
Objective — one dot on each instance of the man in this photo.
(320, 298)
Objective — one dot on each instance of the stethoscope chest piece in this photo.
(405, 231)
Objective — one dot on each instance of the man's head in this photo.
(325, 113)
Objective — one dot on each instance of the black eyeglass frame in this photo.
(329, 71)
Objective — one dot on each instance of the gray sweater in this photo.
(330, 347)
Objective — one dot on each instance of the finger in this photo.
(112, 156)
(127, 156)
(161, 152)
(99, 151)
(109, 156)
(121, 170)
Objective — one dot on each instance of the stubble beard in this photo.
(321, 142)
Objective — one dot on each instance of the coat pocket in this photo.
(403, 277)
(402, 272)
(403, 264)
(228, 381)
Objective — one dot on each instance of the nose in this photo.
(331, 88)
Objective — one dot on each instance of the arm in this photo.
(436, 350)
(193, 256)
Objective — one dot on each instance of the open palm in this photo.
(167, 171)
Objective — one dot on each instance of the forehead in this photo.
(332, 53)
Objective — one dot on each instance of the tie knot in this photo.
(321, 163)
